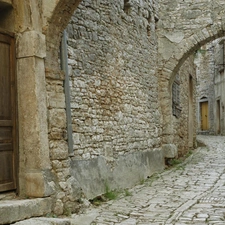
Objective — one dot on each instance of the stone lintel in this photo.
(170, 151)
(31, 43)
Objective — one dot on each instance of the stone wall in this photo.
(183, 27)
(204, 60)
(116, 114)
(187, 23)
(181, 124)
(112, 60)
(120, 105)
(210, 75)
(219, 85)
(116, 117)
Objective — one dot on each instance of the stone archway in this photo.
(139, 97)
(33, 23)
(55, 77)
(56, 109)
(171, 66)
(57, 23)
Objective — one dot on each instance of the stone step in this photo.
(12, 211)
(44, 221)
(75, 219)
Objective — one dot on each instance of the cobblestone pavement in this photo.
(191, 193)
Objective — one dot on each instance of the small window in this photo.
(176, 97)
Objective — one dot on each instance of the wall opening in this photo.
(218, 130)
(204, 116)
(190, 113)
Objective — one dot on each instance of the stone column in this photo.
(34, 162)
(169, 149)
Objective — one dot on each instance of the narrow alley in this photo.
(190, 193)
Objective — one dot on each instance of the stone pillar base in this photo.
(37, 184)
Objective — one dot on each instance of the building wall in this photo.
(204, 60)
(120, 108)
(181, 131)
(210, 74)
(219, 85)
(116, 117)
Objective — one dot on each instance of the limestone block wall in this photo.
(181, 124)
(116, 118)
(205, 69)
(112, 61)
(187, 18)
(219, 85)
(183, 27)
(210, 75)
(117, 121)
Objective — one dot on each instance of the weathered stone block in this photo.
(170, 151)
(93, 175)
(15, 210)
(59, 150)
(31, 43)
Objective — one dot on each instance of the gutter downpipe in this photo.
(64, 67)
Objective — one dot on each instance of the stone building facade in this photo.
(205, 89)
(115, 111)
(210, 97)
(122, 60)
(184, 122)
(219, 85)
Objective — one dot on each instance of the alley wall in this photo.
(184, 124)
(112, 50)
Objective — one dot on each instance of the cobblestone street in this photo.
(191, 193)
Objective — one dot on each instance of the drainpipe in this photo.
(64, 66)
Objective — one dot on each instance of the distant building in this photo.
(210, 88)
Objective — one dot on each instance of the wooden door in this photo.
(204, 115)
(8, 146)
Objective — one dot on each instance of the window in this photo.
(176, 97)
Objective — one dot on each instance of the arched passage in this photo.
(170, 68)
(116, 94)
(55, 77)
(57, 23)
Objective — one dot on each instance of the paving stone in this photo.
(194, 195)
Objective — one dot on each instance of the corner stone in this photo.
(170, 151)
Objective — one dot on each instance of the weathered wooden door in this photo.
(8, 134)
(204, 115)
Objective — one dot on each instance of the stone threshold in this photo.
(12, 211)
(45, 221)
